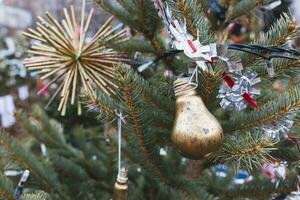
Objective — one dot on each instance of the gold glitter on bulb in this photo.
(64, 56)
(196, 131)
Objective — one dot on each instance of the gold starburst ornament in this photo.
(65, 56)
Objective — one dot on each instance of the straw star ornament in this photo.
(64, 56)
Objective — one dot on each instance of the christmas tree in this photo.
(176, 89)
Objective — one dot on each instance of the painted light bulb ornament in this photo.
(196, 131)
(121, 186)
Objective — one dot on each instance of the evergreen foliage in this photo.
(80, 161)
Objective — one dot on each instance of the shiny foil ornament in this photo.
(121, 186)
(196, 131)
(241, 91)
(278, 129)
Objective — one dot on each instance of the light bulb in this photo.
(121, 186)
(196, 131)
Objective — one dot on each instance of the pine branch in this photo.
(27, 126)
(113, 7)
(53, 129)
(137, 124)
(45, 131)
(243, 7)
(104, 106)
(44, 174)
(276, 35)
(151, 94)
(246, 151)
(205, 5)
(288, 101)
(208, 87)
(6, 188)
(68, 166)
(279, 32)
(149, 30)
(197, 22)
(263, 188)
(186, 13)
(145, 137)
(132, 46)
(128, 5)
(142, 12)
(289, 154)
(283, 68)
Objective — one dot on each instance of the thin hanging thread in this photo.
(121, 119)
(191, 82)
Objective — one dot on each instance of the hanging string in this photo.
(121, 119)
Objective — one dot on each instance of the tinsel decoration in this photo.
(65, 56)
(232, 61)
(278, 129)
(183, 40)
(239, 90)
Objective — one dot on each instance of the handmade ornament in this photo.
(196, 131)
(239, 90)
(64, 55)
(232, 61)
(182, 40)
(279, 128)
(121, 186)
